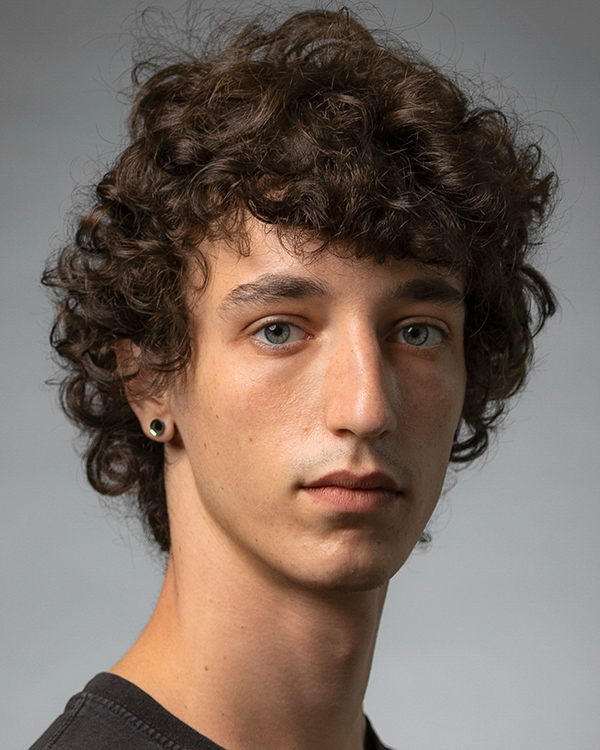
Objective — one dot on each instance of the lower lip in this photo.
(347, 500)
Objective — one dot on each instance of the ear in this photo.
(150, 408)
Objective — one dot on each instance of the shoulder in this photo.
(112, 714)
(91, 722)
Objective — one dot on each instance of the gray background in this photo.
(491, 639)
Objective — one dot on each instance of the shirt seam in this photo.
(76, 708)
(135, 721)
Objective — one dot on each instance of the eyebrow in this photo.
(271, 288)
(274, 287)
(429, 290)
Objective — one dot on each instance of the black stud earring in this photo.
(157, 427)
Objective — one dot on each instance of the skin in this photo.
(264, 632)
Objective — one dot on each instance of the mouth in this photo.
(354, 493)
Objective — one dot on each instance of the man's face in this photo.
(317, 419)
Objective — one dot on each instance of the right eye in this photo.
(278, 333)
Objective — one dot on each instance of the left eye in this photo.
(279, 333)
(420, 334)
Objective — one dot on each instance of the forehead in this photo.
(307, 269)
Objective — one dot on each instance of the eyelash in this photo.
(273, 324)
(440, 332)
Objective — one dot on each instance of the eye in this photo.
(421, 334)
(279, 333)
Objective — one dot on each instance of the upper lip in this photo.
(371, 481)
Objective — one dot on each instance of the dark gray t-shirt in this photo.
(113, 714)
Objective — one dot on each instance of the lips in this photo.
(346, 492)
(373, 481)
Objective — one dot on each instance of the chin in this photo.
(356, 584)
(351, 582)
(355, 574)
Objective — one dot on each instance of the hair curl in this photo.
(318, 128)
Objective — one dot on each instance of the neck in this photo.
(254, 662)
(252, 665)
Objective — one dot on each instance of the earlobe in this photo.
(154, 418)
(153, 415)
(161, 430)
(157, 427)
(151, 410)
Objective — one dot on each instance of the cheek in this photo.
(246, 410)
(432, 409)
(433, 401)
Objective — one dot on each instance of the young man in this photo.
(302, 290)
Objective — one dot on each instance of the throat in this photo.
(257, 668)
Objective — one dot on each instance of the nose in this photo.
(361, 395)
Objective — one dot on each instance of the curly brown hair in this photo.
(320, 128)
